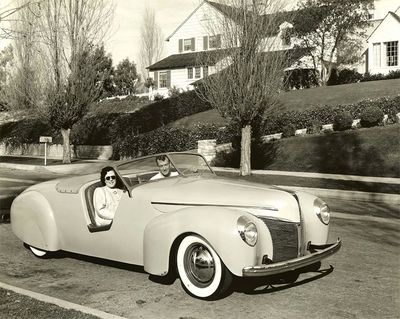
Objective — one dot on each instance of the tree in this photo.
(246, 83)
(7, 17)
(105, 71)
(324, 26)
(6, 61)
(151, 42)
(71, 31)
(125, 78)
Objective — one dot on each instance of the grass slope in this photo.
(367, 152)
(307, 98)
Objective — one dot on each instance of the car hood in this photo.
(258, 199)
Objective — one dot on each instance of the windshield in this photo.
(144, 169)
(190, 163)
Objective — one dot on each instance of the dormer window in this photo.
(212, 42)
(187, 44)
(286, 36)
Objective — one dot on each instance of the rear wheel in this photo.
(200, 269)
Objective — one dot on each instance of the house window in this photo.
(190, 73)
(163, 79)
(198, 72)
(214, 41)
(376, 51)
(392, 53)
(187, 44)
(205, 71)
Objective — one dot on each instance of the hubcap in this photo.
(199, 265)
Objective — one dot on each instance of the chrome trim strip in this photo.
(216, 205)
(292, 264)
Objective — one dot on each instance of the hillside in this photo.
(303, 99)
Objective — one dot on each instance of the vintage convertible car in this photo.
(204, 227)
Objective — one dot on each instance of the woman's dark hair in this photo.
(103, 174)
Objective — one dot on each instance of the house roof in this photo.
(183, 60)
(232, 13)
(390, 13)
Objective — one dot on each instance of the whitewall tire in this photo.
(38, 252)
(200, 269)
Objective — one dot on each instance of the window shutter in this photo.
(180, 45)
(156, 80)
(193, 44)
(168, 78)
(218, 40)
(205, 42)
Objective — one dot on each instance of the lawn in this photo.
(303, 99)
(367, 152)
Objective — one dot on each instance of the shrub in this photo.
(342, 121)
(315, 127)
(300, 79)
(158, 97)
(288, 130)
(372, 77)
(275, 123)
(393, 75)
(371, 116)
(166, 139)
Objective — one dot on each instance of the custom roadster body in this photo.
(205, 227)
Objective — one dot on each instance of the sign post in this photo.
(45, 140)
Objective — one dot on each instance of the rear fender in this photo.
(32, 221)
(218, 226)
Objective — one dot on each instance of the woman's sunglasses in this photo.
(109, 178)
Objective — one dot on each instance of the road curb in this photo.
(59, 302)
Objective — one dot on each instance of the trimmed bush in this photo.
(371, 116)
(275, 123)
(344, 76)
(166, 139)
(342, 121)
(288, 130)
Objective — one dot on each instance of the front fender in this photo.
(218, 226)
(32, 221)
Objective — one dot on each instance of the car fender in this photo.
(314, 230)
(216, 225)
(32, 221)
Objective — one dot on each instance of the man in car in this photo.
(164, 166)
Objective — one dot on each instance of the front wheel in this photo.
(200, 269)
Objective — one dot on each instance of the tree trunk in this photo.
(66, 146)
(245, 152)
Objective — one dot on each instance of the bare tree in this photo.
(9, 16)
(247, 82)
(71, 31)
(151, 41)
(23, 90)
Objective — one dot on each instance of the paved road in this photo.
(361, 281)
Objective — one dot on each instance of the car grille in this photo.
(284, 238)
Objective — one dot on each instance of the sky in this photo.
(124, 37)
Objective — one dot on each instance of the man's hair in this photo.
(161, 157)
(103, 174)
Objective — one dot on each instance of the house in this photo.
(196, 39)
(382, 55)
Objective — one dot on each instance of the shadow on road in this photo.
(265, 285)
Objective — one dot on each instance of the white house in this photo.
(191, 42)
(193, 39)
(383, 45)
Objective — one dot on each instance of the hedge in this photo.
(326, 114)
(166, 139)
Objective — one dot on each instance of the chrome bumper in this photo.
(293, 264)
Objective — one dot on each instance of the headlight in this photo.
(322, 210)
(247, 230)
